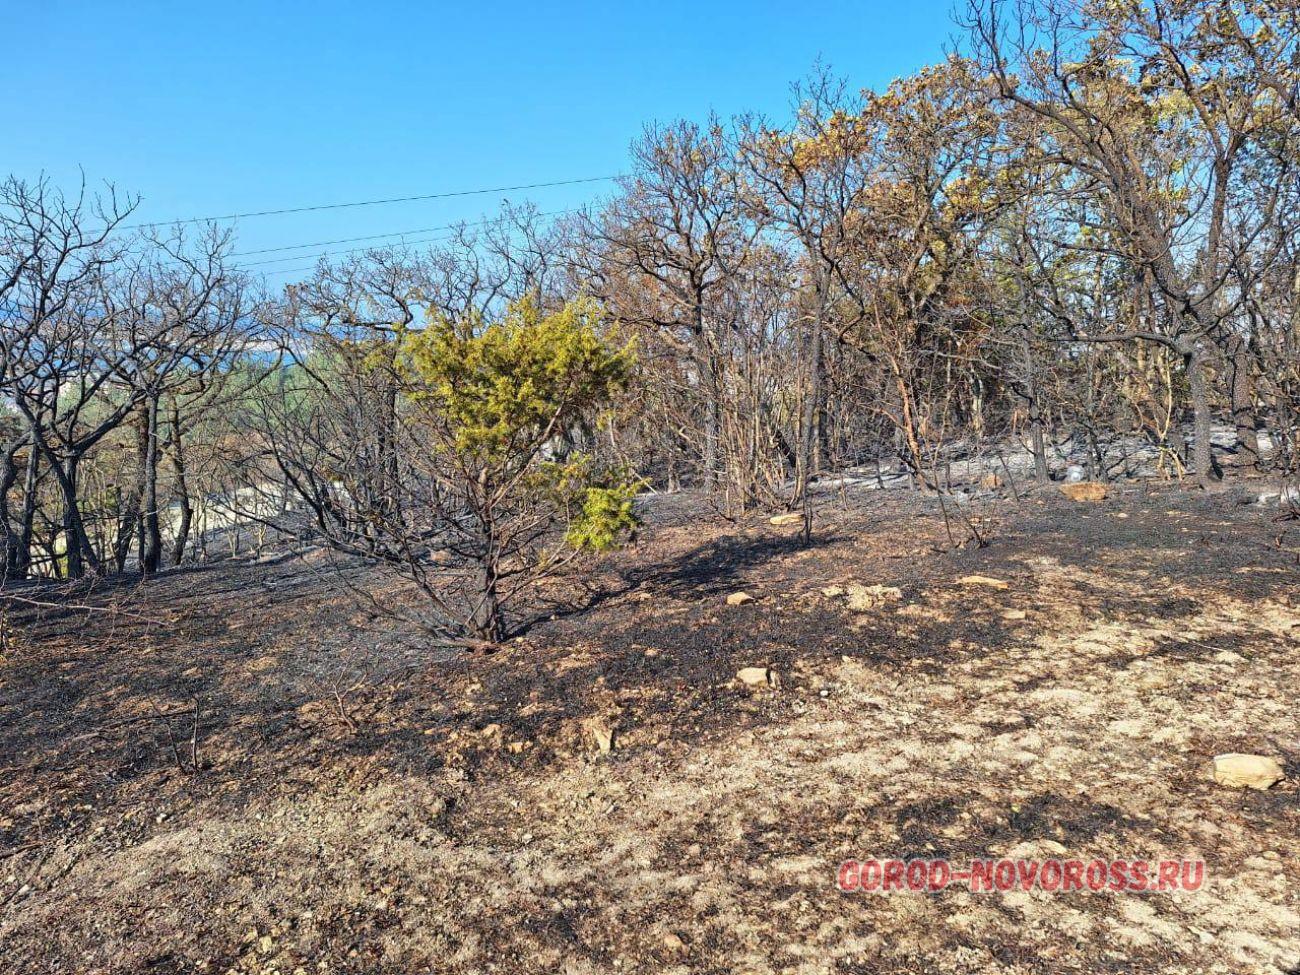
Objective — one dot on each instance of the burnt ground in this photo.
(354, 800)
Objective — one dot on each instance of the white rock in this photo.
(864, 598)
(1247, 771)
(988, 581)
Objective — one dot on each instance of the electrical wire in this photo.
(370, 203)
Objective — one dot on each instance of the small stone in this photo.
(601, 732)
(987, 581)
(1085, 491)
(1247, 771)
(1014, 614)
(739, 599)
(754, 676)
(834, 592)
(864, 598)
(789, 518)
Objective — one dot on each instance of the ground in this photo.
(356, 801)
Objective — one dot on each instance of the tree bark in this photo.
(150, 526)
(811, 411)
(487, 622)
(27, 523)
(9, 535)
(78, 551)
(913, 455)
(712, 422)
(1202, 454)
(1243, 403)
(177, 443)
(1037, 439)
(128, 520)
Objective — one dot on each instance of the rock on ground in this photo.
(1247, 771)
(1085, 491)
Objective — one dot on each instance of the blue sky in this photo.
(215, 108)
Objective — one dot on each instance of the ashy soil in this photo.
(351, 799)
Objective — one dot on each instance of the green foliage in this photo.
(600, 503)
(503, 388)
(607, 517)
(494, 397)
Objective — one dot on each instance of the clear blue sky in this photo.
(215, 108)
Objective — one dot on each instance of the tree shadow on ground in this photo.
(711, 568)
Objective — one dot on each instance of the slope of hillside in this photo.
(350, 800)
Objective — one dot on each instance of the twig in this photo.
(83, 607)
(5, 855)
(121, 722)
(171, 736)
(343, 711)
(194, 738)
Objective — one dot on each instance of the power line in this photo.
(395, 233)
(341, 240)
(371, 203)
(291, 270)
(354, 250)
(350, 250)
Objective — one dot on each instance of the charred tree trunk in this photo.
(150, 524)
(486, 620)
(1201, 453)
(1038, 440)
(78, 551)
(810, 413)
(1029, 390)
(1243, 403)
(176, 441)
(27, 522)
(9, 533)
(712, 422)
(128, 521)
(909, 430)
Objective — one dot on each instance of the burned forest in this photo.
(861, 534)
